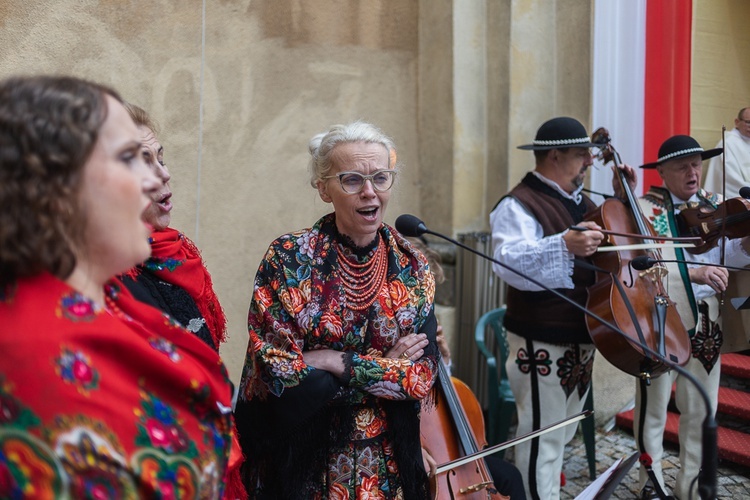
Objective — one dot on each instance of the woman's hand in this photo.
(715, 277)
(409, 347)
(442, 344)
(326, 359)
(430, 465)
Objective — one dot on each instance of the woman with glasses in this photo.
(342, 340)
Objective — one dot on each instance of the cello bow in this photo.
(513, 442)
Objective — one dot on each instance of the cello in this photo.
(454, 428)
(641, 308)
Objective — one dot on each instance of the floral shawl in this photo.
(298, 304)
(176, 260)
(115, 402)
(175, 280)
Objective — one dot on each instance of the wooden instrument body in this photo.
(443, 432)
(730, 219)
(606, 301)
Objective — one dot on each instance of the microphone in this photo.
(410, 225)
(745, 192)
(643, 262)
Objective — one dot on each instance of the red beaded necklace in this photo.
(363, 282)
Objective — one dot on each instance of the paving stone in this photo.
(733, 481)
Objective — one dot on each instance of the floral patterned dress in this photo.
(364, 427)
(115, 402)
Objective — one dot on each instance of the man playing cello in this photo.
(551, 353)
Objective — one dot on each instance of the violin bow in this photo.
(643, 246)
(499, 447)
(683, 239)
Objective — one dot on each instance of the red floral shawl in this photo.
(116, 402)
(176, 260)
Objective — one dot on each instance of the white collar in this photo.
(677, 202)
(575, 195)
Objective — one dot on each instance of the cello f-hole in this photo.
(450, 484)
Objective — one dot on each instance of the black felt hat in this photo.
(562, 132)
(678, 146)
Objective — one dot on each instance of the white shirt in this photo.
(737, 150)
(518, 241)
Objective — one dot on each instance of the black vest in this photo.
(542, 315)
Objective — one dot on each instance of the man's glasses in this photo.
(354, 182)
(746, 122)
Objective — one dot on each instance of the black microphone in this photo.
(745, 192)
(410, 225)
(643, 262)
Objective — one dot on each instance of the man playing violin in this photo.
(693, 288)
(551, 353)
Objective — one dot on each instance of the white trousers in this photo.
(650, 420)
(549, 386)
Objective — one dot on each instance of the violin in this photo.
(730, 219)
(641, 308)
(452, 429)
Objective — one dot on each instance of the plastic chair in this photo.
(502, 403)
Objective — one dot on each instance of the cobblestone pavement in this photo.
(733, 481)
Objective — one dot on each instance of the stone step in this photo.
(732, 416)
(733, 402)
(733, 445)
(735, 365)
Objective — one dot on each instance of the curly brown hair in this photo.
(48, 128)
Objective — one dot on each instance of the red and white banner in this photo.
(641, 80)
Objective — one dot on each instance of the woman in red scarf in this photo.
(175, 279)
(101, 396)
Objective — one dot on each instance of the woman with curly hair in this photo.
(342, 340)
(101, 396)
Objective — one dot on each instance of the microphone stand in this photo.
(709, 465)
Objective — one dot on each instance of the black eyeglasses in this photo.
(354, 182)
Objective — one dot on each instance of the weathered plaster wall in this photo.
(550, 71)
(721, 67)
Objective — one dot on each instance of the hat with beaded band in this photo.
(678, 146)
(562, 132)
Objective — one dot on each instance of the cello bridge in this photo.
(475, 487)
(656, 274)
